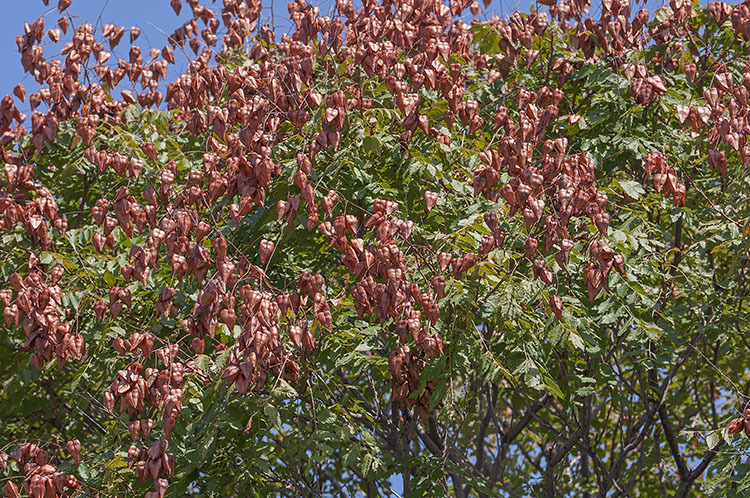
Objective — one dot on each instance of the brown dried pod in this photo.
(73, 448)
(736, 425)
(10, 490)
(530, 247)
(20, 92)
(266, 249)
(430, 199)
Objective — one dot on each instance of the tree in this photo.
(395, 251)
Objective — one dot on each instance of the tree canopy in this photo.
(404, 249)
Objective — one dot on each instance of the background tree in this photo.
(394, 252)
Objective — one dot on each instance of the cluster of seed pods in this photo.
(566, 183)
(259, 350)
(34, 301)
(665, 178)
(154, 462)
(136, 388)
(386, 291)
(33, 214)
(41, 479)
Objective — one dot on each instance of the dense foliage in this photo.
(395, 251)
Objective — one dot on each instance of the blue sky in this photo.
(154, 17)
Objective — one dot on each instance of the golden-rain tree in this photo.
(396, 249)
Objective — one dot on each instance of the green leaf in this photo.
(371, 145)
(273, 415)
(712, 439)
(632, 189)
(576, 341)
